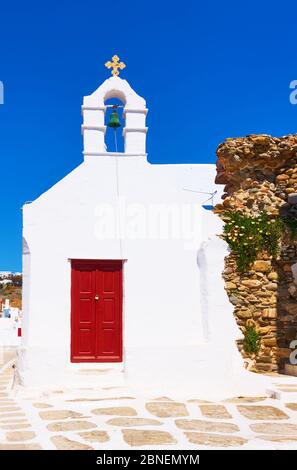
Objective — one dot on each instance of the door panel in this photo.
(85, 341)
(96, 311)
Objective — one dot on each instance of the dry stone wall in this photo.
(260, 175)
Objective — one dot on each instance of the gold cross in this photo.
(115, 65)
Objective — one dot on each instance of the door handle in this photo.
(96, 297)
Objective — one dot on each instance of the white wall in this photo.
(8, 333)
(161, 277)
(179, 330)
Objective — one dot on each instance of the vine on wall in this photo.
(247, 236)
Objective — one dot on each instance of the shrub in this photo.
(252, 340)
(249, 235)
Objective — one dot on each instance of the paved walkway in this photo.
(112, 419)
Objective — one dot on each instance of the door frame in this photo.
(102, 262)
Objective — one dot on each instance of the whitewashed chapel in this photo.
(122, 267)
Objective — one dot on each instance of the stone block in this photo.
(251, 283)
(292, 198)
(262, 266)
(269, 313)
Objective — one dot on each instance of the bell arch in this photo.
(134, 114)
(115, 123)
(115, 94)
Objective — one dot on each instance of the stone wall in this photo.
(260, 174)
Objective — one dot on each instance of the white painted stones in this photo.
(206, 426)
(215, 440)
(167, 409)
(136, 437)
(63, 443)
(70, 426)
(115, 410)
(59, 414)
(215, 411)
(261, 412)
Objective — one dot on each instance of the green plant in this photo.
(252, 340)
(249, 235)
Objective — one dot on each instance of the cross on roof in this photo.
(115, 65)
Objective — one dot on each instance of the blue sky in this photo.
(208, 70)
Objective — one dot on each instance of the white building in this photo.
(5, 274)
(5, 281)
(136, 264)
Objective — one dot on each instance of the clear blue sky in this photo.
(208, 70)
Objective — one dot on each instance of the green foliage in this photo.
(291, 223)
(252, 340)
(247, 236)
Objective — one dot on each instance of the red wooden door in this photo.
(96, 311)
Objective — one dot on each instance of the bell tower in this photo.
(134, 114)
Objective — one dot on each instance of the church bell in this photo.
(114, 120)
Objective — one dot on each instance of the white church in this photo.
(122, 269)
